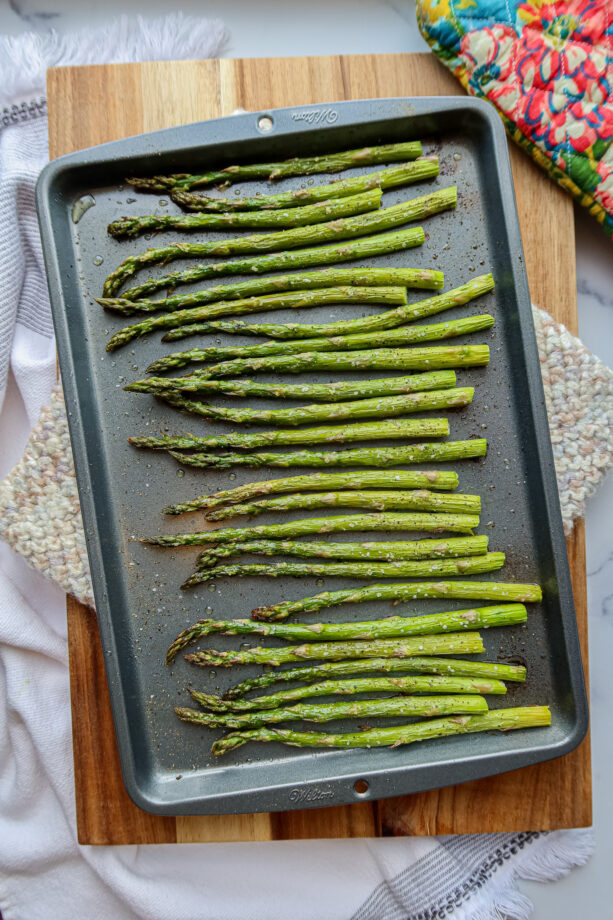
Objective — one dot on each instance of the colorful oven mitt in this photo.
(547, 67)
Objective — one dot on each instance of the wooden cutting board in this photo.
(91, 105)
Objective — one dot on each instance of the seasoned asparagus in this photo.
(388, 628)
(282, 218)
(334, 669)
(368, 324)
(385, 551)
(293, 300)
(326, 712)
(428, 568)
(362, 431)
(414, 684)
(500, 719)
(344, 523)
(394, 176)
(468, 643)
(391, 338)
(348, 251)
(298, 166)
(474, 590)
(321, 392)
(399, 479)
(368, 456)
(343, 228)
(436, 357)
(380, 407)
(422, 278)
(377, 500)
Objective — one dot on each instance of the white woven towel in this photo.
(43, 871)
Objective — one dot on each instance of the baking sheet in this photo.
(140, 607)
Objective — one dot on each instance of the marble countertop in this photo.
(291, 27)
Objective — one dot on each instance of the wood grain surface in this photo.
(91, 105)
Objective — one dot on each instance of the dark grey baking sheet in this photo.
(167, 766)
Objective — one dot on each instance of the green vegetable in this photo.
(475, 590)
(291, 217)
(398, 479)
(428, 522)
(298, 166)
(390, 627)
(500, 719)
(394, 176)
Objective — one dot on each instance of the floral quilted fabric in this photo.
(548, 69)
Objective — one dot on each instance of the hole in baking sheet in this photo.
(265, 123)
(361, 787)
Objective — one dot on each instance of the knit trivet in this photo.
(40, 515)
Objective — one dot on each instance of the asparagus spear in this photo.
(475, 590)
(298, 281)
(473, 565)
(363, 431)
(391, 338)
(381, 407)
(388, 628)
(368, 324)
(350, 688)
(436, 357)
(329, 669)
(367, 456)
(394, 176)
(326, 712)
(428, 522)
(399, 479)
(282, 218)
(290, 300)
(386, 551)
(500, 719)
(467, 643)
(343, 228)
(321, 392)
(298, 166)
(349, 251)
(377, 500)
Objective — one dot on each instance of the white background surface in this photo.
(287, 27)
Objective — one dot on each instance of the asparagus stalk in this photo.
(343, 228)
(381, 407)
(473, 590)
(326, 712)
(388, 628)
(369, 456)
(378, 500)
(437, 357)
(351, 688)
(293, 300)
(428, 522)
(386, 551)
(369, 324)
(298, 281)
(298, 166)
(468, 643)
(380, 244)
(391, 338)
(399, 479)
(321, 392)
(394, 176)
(334, 669)
(363, 431)
(500, 719)
(282, 218)
(473, 565)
